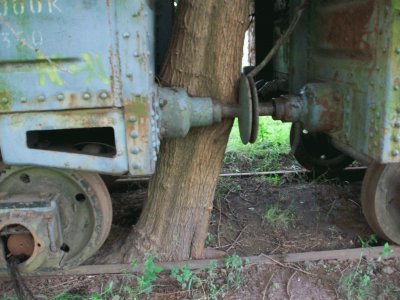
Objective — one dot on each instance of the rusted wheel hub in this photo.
(66, 215)
(21, 245)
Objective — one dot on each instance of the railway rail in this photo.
(349, 174)
(262, 259)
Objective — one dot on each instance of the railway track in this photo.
(262, 259)
(350, 174)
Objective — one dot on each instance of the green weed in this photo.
(209, 279)
(358, 284)
(210, 240)
(265, 154)
(226, 185)
(371, 241)
(278, 217)
(185, 277)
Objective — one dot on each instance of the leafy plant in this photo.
(185, 277)
(234, 268)
(278, 217)
(357, 284)
(372, 241)
(145, 282)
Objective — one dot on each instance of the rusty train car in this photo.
(78, 98)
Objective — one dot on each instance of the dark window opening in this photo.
(89, 141)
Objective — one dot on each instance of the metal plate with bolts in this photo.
(246, 110)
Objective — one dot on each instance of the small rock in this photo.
(388, 270)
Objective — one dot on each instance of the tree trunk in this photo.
(204, 57)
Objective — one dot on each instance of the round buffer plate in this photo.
(246, 110)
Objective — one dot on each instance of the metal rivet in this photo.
(397, 124)
(136, 166)
(126, 35)
(135, 150)
(4, 100)
(396, 138)
(104, 95)
(398, 50)
(395, 153)
(86, 96)
(42, 98)
(134, 134)
(60, 97)
(136, 54)
(24, 100)
(396, 87)
(129, 75)
(132, 119)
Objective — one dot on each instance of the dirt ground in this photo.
(255, 215)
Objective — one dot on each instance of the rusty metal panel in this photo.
(356, 44)
(63, 55)
(15, 151)
(57, 55)
(136, 52)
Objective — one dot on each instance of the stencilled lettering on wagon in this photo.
(24, 7)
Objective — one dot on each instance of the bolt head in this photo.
(134, 134)
(397, 124)
(136, 166)
(397, 50)
(104, 95)
(395, 153)
(126, 35)
(133, 119)
(396, 138)
(135, 150)
(60, 97)
(42, 98)
(4, 100)
(24, 100)
(86, 96)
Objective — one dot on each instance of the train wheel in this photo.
(71, 226)
(380, 199)
(315, 152)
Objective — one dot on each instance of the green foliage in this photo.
(185, 277)
(357, 284)
(142, 284)
(210, 280)
(265, 154)
(386, 250)
(278, 217)
(372, 241)
(210, 239)
(234, 268)
(145, 282)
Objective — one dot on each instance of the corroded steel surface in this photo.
(74, 55)
(356, 45)
(68, 214)
(21, 245)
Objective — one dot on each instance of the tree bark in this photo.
(205, 58)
